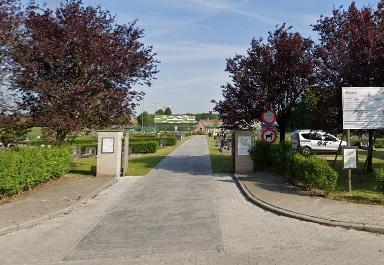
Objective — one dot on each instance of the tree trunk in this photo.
(370, 151)
(282, 128)
(61, 135)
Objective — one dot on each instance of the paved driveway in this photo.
(181, 214)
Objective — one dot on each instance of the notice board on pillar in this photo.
(363, 107)
(243, 145)
(107, 145)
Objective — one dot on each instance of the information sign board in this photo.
(350, 157)
(363, 107)
(107, 144)
(243, 145)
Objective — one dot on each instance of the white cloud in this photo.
(195, 51)
(237, 7)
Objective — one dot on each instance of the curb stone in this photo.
(66, 210)
(300, 216)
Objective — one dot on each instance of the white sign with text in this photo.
(243, 145)
(363, 107)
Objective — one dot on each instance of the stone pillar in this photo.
(242, 160)
(109, 150)
(125, 152)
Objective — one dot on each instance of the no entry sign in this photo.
(269, 117)
(269, 136)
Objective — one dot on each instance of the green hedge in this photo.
(144, 147)
(84, 142)
(23, 169)
(272, 156)
(313, 172)
(310, 171)
(379, 143)
(169, 141)
(379, 179)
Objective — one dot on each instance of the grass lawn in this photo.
(141, 164)
(363, 184)
(221, 161)
(138, 165)
(83, 166)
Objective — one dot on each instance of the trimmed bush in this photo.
(84, 142)
(170, 141)
(167, 141)
(313, 172)
(379, 179)
(144, 147)
(23, 169)
(272, 156)
(310, 171)
(379, 143)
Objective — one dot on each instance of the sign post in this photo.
(268, 133)
(363, 108)
(269, 136)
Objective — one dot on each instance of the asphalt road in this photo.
(180, 213)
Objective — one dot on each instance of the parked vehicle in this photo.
(310, 141)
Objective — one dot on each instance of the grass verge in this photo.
(83, 166)
(363, 183)
(221, 161)
(138, 165)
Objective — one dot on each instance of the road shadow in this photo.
(186, 164)
(273, 182)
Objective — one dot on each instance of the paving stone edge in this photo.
(49, 216)
(300, 216)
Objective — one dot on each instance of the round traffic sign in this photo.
(269, 136)
(268, 117)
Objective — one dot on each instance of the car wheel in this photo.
(306, 150)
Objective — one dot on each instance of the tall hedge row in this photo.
(144, 147)
(168, 141)
(23, 169)
(310, 171)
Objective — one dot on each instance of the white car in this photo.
(310, 141)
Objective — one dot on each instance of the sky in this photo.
(193, 38)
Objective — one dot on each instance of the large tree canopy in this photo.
(350, 54)
(273, 75)
(10, 30)
(76, 67)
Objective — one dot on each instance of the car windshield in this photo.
(315, 136)
(329, 137)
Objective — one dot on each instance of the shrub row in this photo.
(144, 147)
(167, 141)
(379, 143)
(312, 172)
(23, 169)
(140, 136)
(379, 179)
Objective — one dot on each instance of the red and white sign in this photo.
(269, 117)
(269, 136)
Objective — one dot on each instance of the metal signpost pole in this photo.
(142, 119)
(349, 170)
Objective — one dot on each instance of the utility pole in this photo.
(154, 115)
(142, 118)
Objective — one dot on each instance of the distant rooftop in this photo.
(175, 119)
